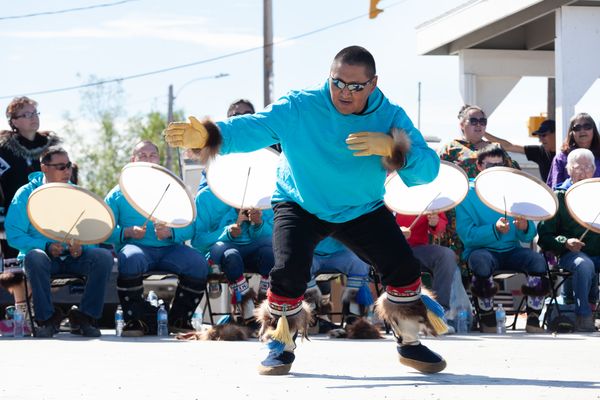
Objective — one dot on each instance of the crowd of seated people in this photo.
(239, 240)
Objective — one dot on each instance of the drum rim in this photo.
(218, 195)
(78, 188)
(571, 213)
(437, 210)
(535, 179)
(139, 164)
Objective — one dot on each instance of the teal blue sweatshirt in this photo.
(214, 218)
(476, 227)
(318, 171)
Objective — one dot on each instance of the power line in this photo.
(68, 10)
(205, 61)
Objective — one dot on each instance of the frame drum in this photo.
(54, 209)
(145, 188)
(517, 193)
(244, 179)
(583, 205)
(446, 191)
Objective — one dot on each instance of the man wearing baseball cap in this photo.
(541, 154)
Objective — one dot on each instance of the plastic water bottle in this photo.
(197, 320)
(500, 320)
(119, 322)
(152, 298)
(18, 323)
(162, 322)
(462, 321)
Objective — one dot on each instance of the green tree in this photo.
(99, 149)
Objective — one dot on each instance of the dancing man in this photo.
(338, 141)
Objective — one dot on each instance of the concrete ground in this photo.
(485, 367)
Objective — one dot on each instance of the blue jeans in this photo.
(179, 259)
(440, 262)
(484, 262)
(585, 284)
(95, 264)
(234, 258)
(344, 262)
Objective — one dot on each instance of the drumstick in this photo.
(245, 189)
(156, 206)
(504, 197)
(73, 226)
(588, 229)
(423, 212)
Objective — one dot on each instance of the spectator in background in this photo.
(541, 154)
(583, 134)
(561, 234)
(439, 261)
(20, 150)
(493, 242)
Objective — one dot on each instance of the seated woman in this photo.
(583, 134)
(561, 235)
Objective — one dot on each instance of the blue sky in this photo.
(56, 51)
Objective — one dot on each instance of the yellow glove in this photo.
(188, 136)
(370, 143)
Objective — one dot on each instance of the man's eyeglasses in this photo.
(352, 87)
(28, 115)
(587, 126)
(478, 121)
(60, 166)
(493, 164)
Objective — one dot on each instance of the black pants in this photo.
(374, 237)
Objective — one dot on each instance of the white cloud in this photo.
(187, 30)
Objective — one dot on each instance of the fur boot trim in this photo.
(394, 312)
(359, 329)
(226, 332)
(399, 151)
(483, 287)
(213, 143)
(297, 322)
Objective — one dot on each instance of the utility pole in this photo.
(169, 152)
(267, 51)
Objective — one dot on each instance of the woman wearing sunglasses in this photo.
(20, 150)
(463, 151)
(583, 134)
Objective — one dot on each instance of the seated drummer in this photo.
(331, 256)
(154, 246)
(238, 241)
(492, 242)
(43, 257)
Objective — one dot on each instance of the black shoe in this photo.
(50, 327)
(82, 324)
(134, 328)
(421, 358)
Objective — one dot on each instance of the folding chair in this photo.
(557, 277)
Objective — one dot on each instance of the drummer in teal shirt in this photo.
(493, 242)
(339, 141)
(238, 241)
(142, 248)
